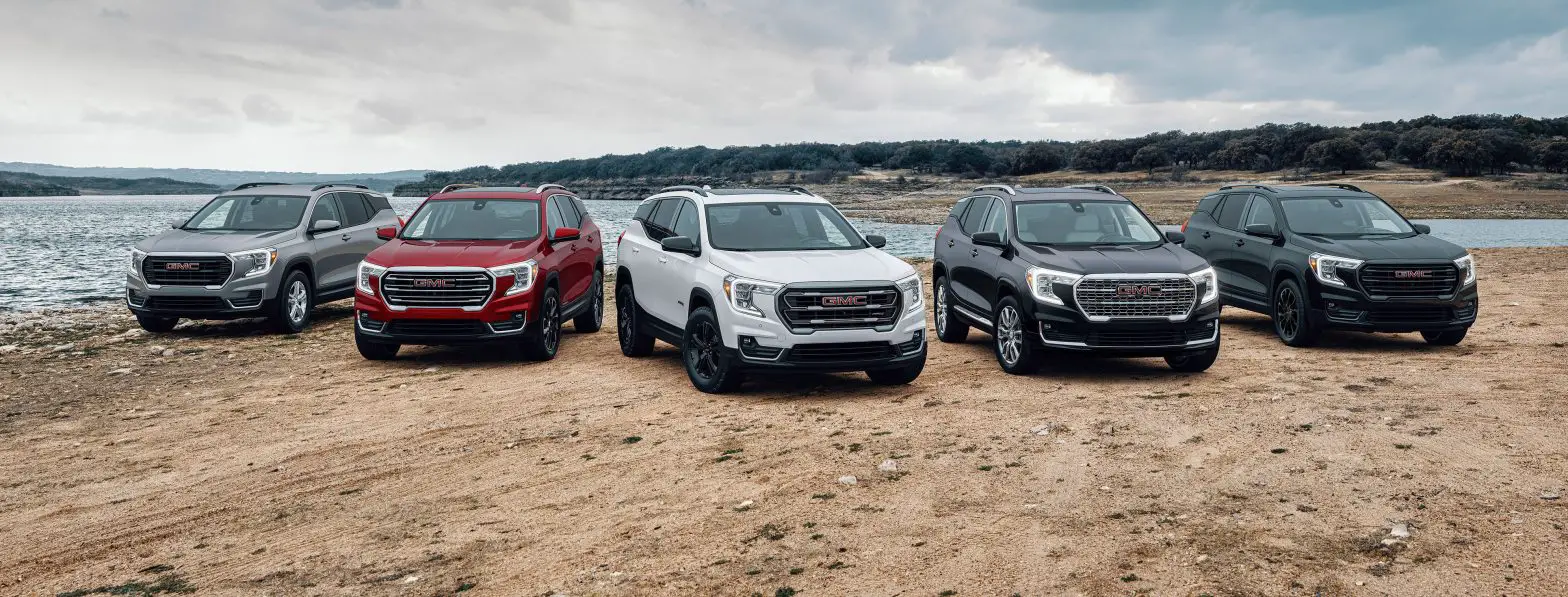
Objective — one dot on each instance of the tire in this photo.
(291, 312)
(949, 328)
(545, 340)
(1448, 338)
(157, 325)
(592, 320)
(1011, 342)
(1197, 362)
(897, 376)
(373, 350)
(1292, 315)
(628, 319)
(702, 351)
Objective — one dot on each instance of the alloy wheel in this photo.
(1287, 312)
(941, 310)
(299, 302)
(1009, 335)
(623, 320)
(704, 352)
(598, 301)
(552, 324)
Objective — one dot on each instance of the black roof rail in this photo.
(550, 185)
(252, 185)
(455, 186)
(1100, 188)
(339, 184)
(1004, 188)
(1247, 185)
(1337, 185)
(700, 191)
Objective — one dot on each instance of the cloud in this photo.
(183, 117)
(265, 110)
(345, 4)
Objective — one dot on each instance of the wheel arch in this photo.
(701, 298)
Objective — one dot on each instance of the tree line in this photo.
(1463, 145)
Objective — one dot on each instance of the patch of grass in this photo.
(1403, 446)
(723, 458)
(1196, 439)
(795, 571)
(1131, 578)
(734, 451)
(816, 536)
(464, 587)
(947, 593)
(837, 565)
(824, 496)
(891, 433)
(986, 467)
(1278, 451)
(588, 456)
(168, 583)
(854, 448)
(631, 439)
(784, 592)
(771, 532)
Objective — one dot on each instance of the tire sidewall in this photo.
(1304, 335)
(721, 379)
(282, 310)
(626, 308)
(1025, 362)
(546, 345)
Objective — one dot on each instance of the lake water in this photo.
(60, 251)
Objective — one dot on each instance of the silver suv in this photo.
(251, 252)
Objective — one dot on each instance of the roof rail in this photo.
(339, 184)
(1004, 188)
(700, 191)
(252, 185)
(1247, 185)
(1100, 188)
(547, 186)
(455, 186)
(1337, 185)
(798, 190)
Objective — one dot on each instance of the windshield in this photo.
(474, 219)
(1343, 216)
(249, 212)
(780, 227)
(1083, 223)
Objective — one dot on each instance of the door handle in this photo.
(1240, 242)
(345, 237)
(974, 252)
(1206, 235)
(950, 243)
(664, 260)
(636, 250)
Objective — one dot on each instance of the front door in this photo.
(967, 269)
(336, 261)
(1253, 256)
(557, 255)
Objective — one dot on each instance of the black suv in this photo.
(1077, 269)
(1325, 256)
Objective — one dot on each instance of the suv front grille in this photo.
(1412, 314)
(1135, 298)
(436, 289)
(839, 308)
(840, 352)
(163, 270)
(1409, 280)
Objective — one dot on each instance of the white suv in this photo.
(765, 279)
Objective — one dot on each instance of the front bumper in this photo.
(502, 318)
(235, 299)
(1347, 309)
(1065, 328)
(765, 343)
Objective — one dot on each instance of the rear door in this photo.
(1253, 256)
(334, 255)
(967, 278)
(986, 259)
(359, 225)
(1221, 239)
(636, 251)
(680, 272)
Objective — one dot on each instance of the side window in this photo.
(378, 204)
(1207, 204)
(686, 223)
(326, 209)
(664, 216)
(1230, 212)
(645, 211)
(957, 212)
(582, 210)
(355, 211)
(1260, 212)
(975, 215)
(996, 220)
(552, 216)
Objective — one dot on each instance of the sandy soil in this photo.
(234, 462)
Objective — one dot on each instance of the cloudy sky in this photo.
(370, 85)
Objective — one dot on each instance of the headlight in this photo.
(1209, 281)
(366, 272)
(521, 274)
(254, 263)
(911, 288)
(1327, 267)
(1042, 283)
(742, 294)
(1466, 267)
(136, 262)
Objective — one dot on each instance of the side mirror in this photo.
(1175, 236)
(1422, 228)
(876, 240)
(565, 234)
(1263, 230)
(988, 239)
(679, 244)
(176, 223)
(325, 225)
(386, 232)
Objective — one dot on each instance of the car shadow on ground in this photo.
(1263, 328)
(1063, 365)
(323, 315)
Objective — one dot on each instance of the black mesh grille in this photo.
(1412, 314)
(186, 303)
(839, 308)
(436, 327)
(186, 271)
(1409, 280)
(436, 289)
(840, 352)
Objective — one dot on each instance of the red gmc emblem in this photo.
(854, 300)
(1136, 290)
(1406, 274)
(182, 267)
(432, 283)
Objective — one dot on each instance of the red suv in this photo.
(483, 264)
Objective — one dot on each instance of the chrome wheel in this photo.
(703, 350)
(550, 326)
(1287, 312)
(1009, 335)
(598, 301)
(623, 316)
(298, 302)
(941, 309)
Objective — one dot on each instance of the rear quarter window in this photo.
(1207, 204)
(957, 212)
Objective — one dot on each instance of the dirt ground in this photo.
(228, 461)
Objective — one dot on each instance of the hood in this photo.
(452, 253)
(1166, 258)
(786, 267)
(215, 241)
(1418, 247)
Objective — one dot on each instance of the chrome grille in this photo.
(436, 289)
(839, 308)
(1102, 298)
(171, 270)
(1409, 280)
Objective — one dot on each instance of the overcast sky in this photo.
(371, 85)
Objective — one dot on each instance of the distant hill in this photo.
(24, 184)
(381, 181)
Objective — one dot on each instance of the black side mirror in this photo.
(1263, 230)
(325, 225)
(876, 240)
(988, 239)
(679, 244)
(1422, 228)
(1175, 236)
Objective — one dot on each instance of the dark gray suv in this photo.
(252, 252)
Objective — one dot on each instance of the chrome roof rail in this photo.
(1247, 185)
(1004, 188)
(700, 191)
(339, 184)
(1096, 187)
(252, 185)
(455, 186)
(547, 186)
(1337, 185)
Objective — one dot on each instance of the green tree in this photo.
(1458, 155)
(1037, 158)
(1340, 153)
(1150, 157)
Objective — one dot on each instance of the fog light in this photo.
(1045, 326)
